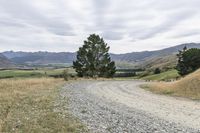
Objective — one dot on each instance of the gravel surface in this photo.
(122, 107)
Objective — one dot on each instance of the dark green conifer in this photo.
(93, 59)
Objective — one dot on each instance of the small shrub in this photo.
(66, 75)
(157, 71)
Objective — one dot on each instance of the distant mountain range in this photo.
(5, 62)
(164, 58)
(139, 56)
(40, 57)
(134, 59)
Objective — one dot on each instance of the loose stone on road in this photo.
(121, 106)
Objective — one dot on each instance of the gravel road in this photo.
(122, 107)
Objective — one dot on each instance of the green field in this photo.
(45, 72)
(33, 73)
(171, 74)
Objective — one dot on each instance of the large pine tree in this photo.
(93, 59)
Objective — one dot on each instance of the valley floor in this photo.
(121, 106)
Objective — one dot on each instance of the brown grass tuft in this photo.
(186, 87)
(27, 105)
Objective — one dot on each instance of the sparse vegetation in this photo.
(66, 75)
(28, 105)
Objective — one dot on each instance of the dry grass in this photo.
(186, 87)
(27, 105)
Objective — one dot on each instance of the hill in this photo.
(147, 59)
(138, 56)
(162, 62)
(151, 59)
(186, 87)
(4, 62)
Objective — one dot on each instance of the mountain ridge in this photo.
(136, 58)
(5, 62)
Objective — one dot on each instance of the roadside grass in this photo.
(168, 75)
(188, 87)
(28, 105)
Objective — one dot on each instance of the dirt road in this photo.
(121, 106)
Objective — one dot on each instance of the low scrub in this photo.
(67, 76)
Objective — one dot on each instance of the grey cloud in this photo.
(23, 10)
(26, 24)
(100, 6)
(99, 12)
(110, 35)
(172, 21)
(187, 34)
(10, 23)
(61, 32)
(175, 5)
(58, 28)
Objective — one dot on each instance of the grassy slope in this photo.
(28, 105)
(164, 62)
(185, 87)
(171, 74)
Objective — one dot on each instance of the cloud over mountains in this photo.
(127, 25)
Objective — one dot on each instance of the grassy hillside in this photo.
(165, 62)
(28, 105)
(140, 56)
(124, 65)
(171, 74)
(185, 87)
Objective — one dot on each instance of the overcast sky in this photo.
(126, 25)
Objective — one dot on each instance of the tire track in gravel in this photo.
(121, 106)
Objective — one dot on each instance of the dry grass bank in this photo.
(186, 87)
(27, 105)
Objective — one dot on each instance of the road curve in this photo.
(121, 106)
